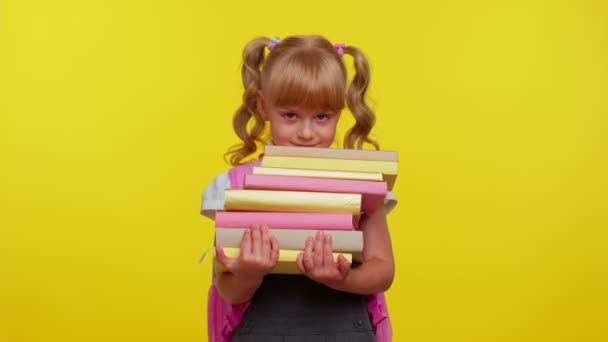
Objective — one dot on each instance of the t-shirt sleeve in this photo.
(390, 201)
(213, 196)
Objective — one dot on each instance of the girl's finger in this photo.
(308, 258)
(274, 249)
(265, 243)
(300, 263)
(246, 243)
(328, 258)
(318, 249)
(256, 242)
(343, 266)
(225, 261)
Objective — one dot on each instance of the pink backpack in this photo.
(223, 318)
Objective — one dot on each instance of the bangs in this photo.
(306, 80)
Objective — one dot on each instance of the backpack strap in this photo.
(222, 317)
(237, 174)
(376, 305)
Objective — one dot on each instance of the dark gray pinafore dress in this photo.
(289, 308)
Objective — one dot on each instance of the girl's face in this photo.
(295, 126)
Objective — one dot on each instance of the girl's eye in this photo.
(290, 116)
(322, 117)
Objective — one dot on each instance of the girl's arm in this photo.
(259, 255)
(374, 275)
(236, 289)
(376, 272)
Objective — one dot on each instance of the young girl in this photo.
(300, 88)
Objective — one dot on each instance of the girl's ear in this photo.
(261, 105)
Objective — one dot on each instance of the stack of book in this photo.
(297, 191)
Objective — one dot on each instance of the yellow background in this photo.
(114, 116)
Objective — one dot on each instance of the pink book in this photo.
(277, 220)
(372, 193)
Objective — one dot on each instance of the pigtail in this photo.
(355, 98)
(253, 58)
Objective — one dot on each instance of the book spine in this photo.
(373, 193)
(330, 153)
(278, 220)
(384, 167)
(287, 260)
(388, 169)
(292, 201)
(277, 171)
(264, 182)
(342, 241)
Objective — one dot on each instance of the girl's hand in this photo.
(259, 254)
(317, 261)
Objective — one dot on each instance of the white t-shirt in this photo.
(213, 197)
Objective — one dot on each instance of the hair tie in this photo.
(273, 42)
(340, 49)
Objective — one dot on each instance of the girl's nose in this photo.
(305, 131)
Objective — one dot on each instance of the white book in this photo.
(295, 239)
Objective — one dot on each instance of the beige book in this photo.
(330, 153)
(287, 260)
(295, 239)
(292, 201)
(276, 171)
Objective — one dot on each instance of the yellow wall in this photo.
(114, 116)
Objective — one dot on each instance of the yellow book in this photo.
(287, 260)
(387, 168)
(292, 201)
(275, 171)
(331, 153)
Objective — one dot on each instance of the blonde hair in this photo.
(303, 71)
